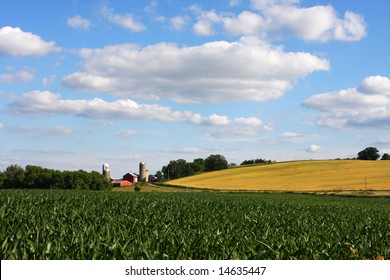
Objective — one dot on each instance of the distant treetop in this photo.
(370, 153)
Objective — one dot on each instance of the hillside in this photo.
(319, 175)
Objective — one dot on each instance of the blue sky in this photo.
(88, 82)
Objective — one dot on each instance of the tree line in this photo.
(256, 161)
(181, 168)
(36, 177)
(372, 153)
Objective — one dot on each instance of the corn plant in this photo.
(59, 224)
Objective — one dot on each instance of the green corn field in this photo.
(54, 224)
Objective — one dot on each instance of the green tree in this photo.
(82, 180)
(57, 180)
(159, 175)
(370, 153)
(36, 177)
(385, 156)
(14, 177)
(215, 162)
(99, 182)
(2, 178)
(188, 169)
(175, 169)
(198, 165)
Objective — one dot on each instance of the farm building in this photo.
(120, 183)
(129, 178)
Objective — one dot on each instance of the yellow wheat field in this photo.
(321, 175)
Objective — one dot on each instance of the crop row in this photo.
(55, 224)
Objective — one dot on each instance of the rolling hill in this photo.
(314, 175)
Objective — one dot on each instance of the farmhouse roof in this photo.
(131, 173)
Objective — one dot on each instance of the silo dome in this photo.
(106, 170)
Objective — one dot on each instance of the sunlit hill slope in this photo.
(319, 175)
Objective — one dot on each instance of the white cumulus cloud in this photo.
(375, 85)
(178, 22)
(126, 20)
(217, 120)
(79, 23)
(286, 18)
(367, 105)
(314, 149)
(15, 42)
(14, 76)
(246, 23)
(205, 23)
(213, 72)
(237, 129)
(44, 103)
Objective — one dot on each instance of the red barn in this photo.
(127, 180)
(131, 177)
(121, 183)
(125, 183)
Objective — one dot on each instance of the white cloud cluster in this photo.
(206, 20)
(15, 42)
(238, 129)
(367, 105)
(217, 120)
(246, 23)
(317, 23)
(78, 22)
(38, 103)
(43, 103)
(375, 85)
(277, 18)
(15, 75)
(178, 22)
(213, 72)
(126, 21)
(314, 149)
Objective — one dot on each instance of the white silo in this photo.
(106, 171)
(143, 172)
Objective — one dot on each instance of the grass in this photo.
(302, 176)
